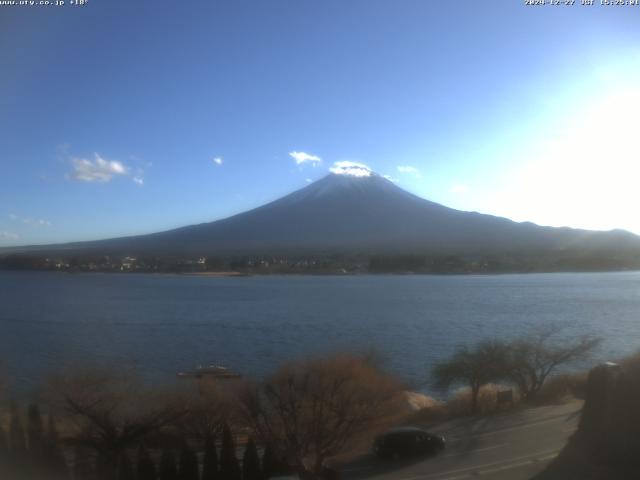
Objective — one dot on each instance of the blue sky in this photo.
(112, 114)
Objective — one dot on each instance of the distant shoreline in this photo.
(214, 274)
(235, 274)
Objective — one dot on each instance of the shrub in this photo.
(460, 403)
(561, 388)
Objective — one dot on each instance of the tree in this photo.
(311, 410)
(214, 264)
(18, 460)
(210, 460)
(53, 458)
(251, 462)
(188, 464)
(105, 469)
(83, 468)
(16, 433)
(125, 470)
(168, 469)
(111, 412)
(4, 453)
(229, 466)
(145, 468)
(35, 443)
(272, 465)
(532, 358)
(473, 367)
(35, 432)
(205, 411)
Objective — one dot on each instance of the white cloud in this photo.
(138, 177)
(96, 170)
(34, 222)
(390, 178)
(409, 169)
(302, 157)
(460, 188)
(308, 180)
(353, 169)
(218, 160)
(8, 236)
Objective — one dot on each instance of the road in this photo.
(498, 447)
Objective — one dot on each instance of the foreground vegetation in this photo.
(103, 424)
(107, 425)
(526, 362)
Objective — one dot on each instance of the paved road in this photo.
(507, 446)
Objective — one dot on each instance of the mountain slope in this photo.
(347, 214)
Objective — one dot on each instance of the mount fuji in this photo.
(345, 213)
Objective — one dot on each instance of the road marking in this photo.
(508, 429)
(479, 473)
(474, 450)
(488, 467)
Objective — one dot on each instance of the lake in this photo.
(163, 324)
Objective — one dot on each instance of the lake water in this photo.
(163, 324)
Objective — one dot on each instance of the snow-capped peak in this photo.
(352, 169)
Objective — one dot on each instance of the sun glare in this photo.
(585, 171)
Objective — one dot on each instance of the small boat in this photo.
(212, 371)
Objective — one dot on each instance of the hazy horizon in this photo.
(346, 169)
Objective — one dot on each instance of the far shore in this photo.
(222, 274)
(216, 274)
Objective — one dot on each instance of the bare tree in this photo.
(532, 358)
(473, 367)
(206, 411)
(311, 410)
(111, 411)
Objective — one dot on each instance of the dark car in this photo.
(407, 442)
